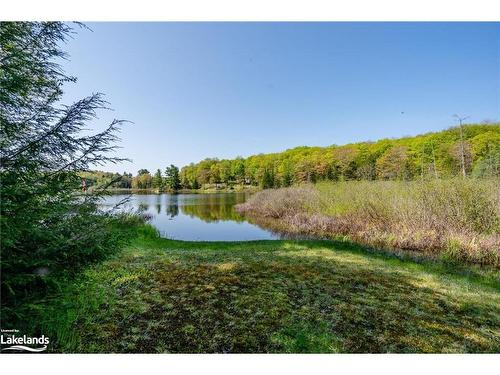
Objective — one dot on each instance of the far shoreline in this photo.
(240, 189)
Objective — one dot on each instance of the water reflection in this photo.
(172, 211)
(209, 217)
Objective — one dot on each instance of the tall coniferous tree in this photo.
(172, 179)
(46, 221)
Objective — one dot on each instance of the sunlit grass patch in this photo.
(274, 296)
(227, 266)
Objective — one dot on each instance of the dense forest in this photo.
(473, 150)
(425, 156)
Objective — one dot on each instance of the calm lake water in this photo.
(195, 217)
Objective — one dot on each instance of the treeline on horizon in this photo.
(474, 152)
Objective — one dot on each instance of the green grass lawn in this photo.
(162, 295)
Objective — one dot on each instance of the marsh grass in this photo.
(457, 219)
(165, 296)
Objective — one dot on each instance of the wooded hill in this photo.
(432, 155)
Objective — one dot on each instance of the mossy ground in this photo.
(162, 295)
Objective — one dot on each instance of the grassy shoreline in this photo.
(162, 295)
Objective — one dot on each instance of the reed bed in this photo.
(456, 219)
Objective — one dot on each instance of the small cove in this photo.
(194, 217)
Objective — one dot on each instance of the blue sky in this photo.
(197, 90)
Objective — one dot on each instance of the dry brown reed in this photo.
(457, 219)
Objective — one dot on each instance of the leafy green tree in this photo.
(189, 177)
(172, 180)
(345, 160)
(225, 172)
(215, 173)
(142, 181)
(238, 170)
(393, 165)
(304, 171)
(485, 145)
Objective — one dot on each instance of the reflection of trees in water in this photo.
(158, 204)
(212, 212)
(172, 205)
(172, 210)
(224, 199)
(207, 207)
(212, 207)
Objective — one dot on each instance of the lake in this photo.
(195, 217)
